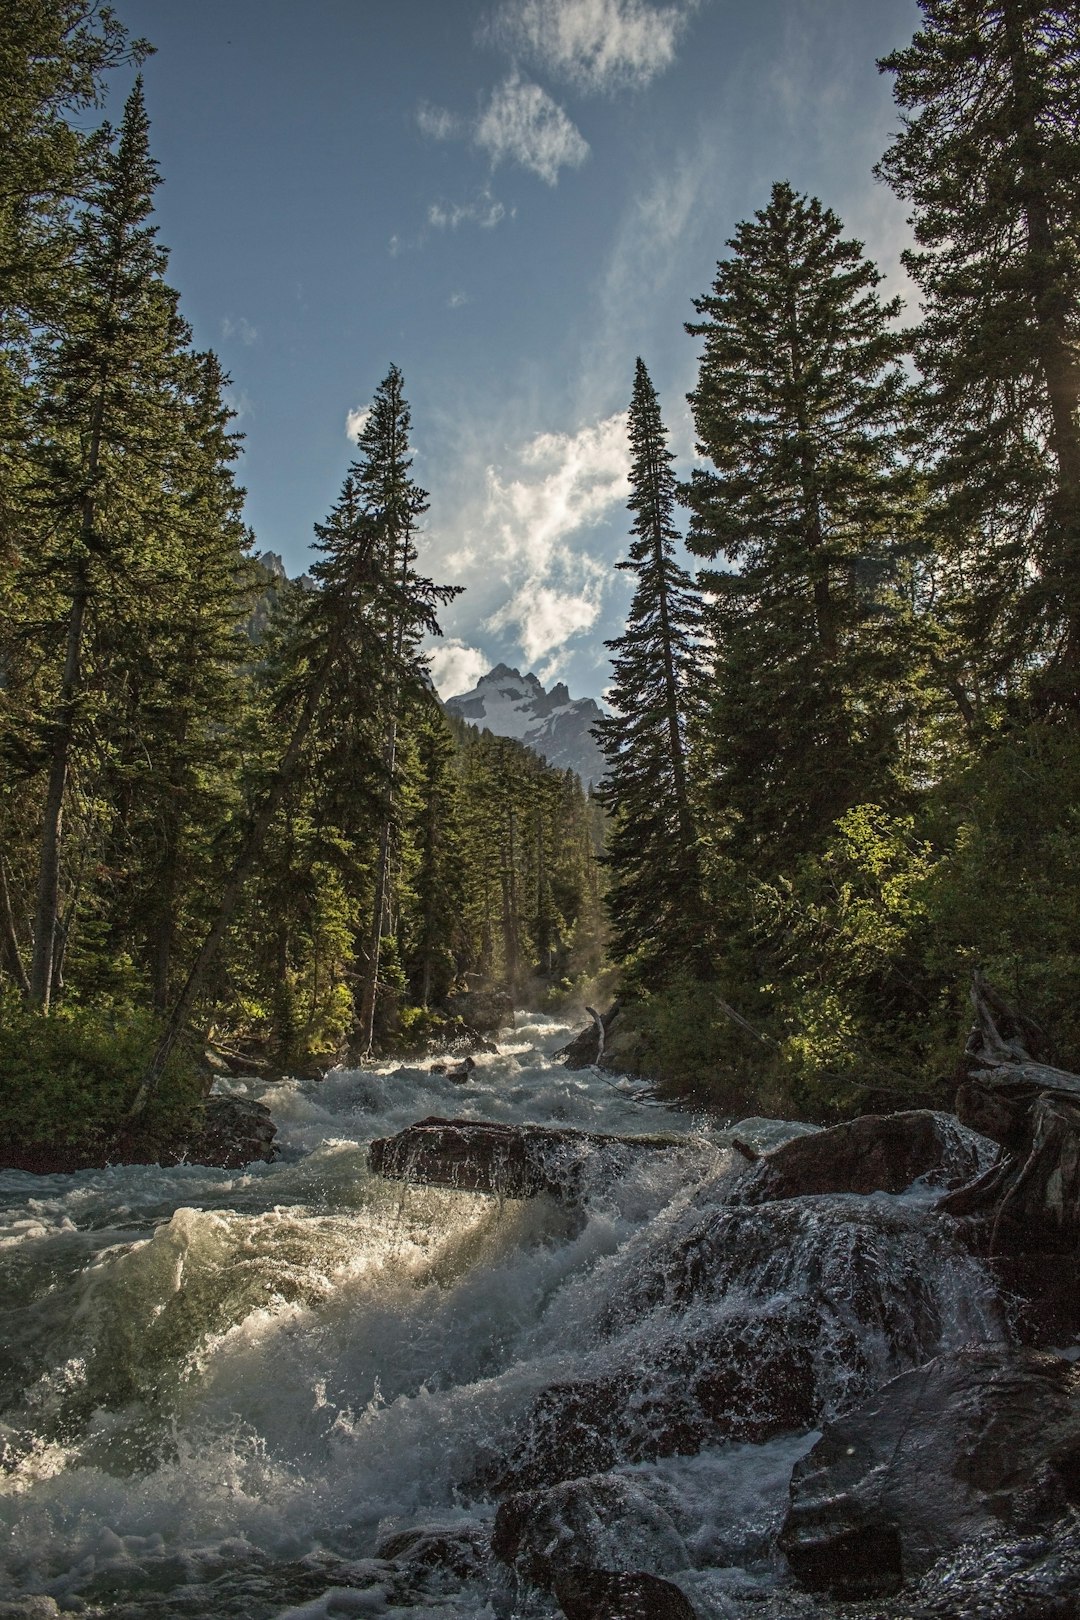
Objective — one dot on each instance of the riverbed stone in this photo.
(235, 1131)
(595, 1594)
(604, 1521)
(874, 1153)
(968, 1445)
(512, 1161)
(750, 1377)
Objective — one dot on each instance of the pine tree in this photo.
(989, 157)
(392, 504)
(655, 891)
(106, 411)
(799, 407)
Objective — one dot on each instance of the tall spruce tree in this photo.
(105, 418)
(393, 504)
(989, 157)
(655, 892)
(799, 407)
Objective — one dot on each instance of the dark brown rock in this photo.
(968, 1445)
(235, 1131)
(875, 1153)
(751, 1378)
(596, 1594)
(1042, 1296)
(461, 1549)
(604, 1521)
(513, 1161)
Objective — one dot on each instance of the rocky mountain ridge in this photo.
(551, 723)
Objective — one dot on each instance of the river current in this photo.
(222, 1393)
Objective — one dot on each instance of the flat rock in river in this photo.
(514, 1161)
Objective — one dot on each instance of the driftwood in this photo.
(1031, 1197)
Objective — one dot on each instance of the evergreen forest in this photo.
(844, 738)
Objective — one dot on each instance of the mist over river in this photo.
(221, 1392)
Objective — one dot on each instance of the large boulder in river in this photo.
(972, 1444)
(750, 1377)
(874, 1153)
(603, 1521)
(596, 1594)
(514, 1161)
(235, 1131)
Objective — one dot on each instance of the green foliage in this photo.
(70, 1078)
(654, 894)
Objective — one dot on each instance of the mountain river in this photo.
(223, 1393)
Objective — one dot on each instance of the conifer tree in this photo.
(392, 505)
(799, 407)
(655, 891)
(106, 411)
(989, 157)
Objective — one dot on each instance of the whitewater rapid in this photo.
(221, 1392)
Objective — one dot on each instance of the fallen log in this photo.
(511, 1161)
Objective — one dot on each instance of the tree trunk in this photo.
(48, 891)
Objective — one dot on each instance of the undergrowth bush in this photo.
(67, 1080)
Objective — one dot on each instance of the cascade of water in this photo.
(248, 1392)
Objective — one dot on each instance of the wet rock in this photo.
(460, 1549)
(751, 1377)
(875, 1153)
(604, 1521)
(1035, 1576)
(235, 1131)
(1042, 1296)
(594, 1594)
(970, 1444)
(869, 1266)
(514, 1161)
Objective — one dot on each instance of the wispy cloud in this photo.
(598, 45)
(484, 210)
(564, 483)
(521, 124)
(356, 420)
(239, 403)
(439, 123)
(456, 667)
(457, 300)
(239, 327)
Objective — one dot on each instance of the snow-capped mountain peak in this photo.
(552, 724)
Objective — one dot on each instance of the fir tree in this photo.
(989, 157)
(655, 891)
(106, 414)
(799, 406)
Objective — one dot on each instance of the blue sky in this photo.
(512, 200)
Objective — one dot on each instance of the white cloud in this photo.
(595, 44)
(239, 403)
(522, 124)
(239, 327)
(564, 483)
(457, 300)
(545, 619)
(438, 122)
(486, 211)
(455, 667)
(568, 482)
(355, 421)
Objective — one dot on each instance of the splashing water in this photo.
(222, 1392)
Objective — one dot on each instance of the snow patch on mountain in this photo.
(553, 724)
